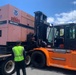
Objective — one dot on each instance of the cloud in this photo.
(65, 17)
(50, 19)
(74, 2)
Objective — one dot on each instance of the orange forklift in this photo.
(60, 48)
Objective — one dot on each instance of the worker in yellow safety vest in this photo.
(19, 58)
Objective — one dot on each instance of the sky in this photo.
(57, 11)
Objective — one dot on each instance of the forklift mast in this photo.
(40, 26)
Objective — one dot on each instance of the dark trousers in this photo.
(20, 65)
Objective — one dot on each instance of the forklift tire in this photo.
(8, 67)
(28, 60)
(38, 59)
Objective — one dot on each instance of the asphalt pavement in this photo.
(47, 71)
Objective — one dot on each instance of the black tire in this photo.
(8, 67)
(28, 60)
(38, 59)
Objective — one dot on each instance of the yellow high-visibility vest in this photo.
(18, 53)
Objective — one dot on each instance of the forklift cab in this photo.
(56, 36)
(63, 36)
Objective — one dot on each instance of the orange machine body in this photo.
(66, 60)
